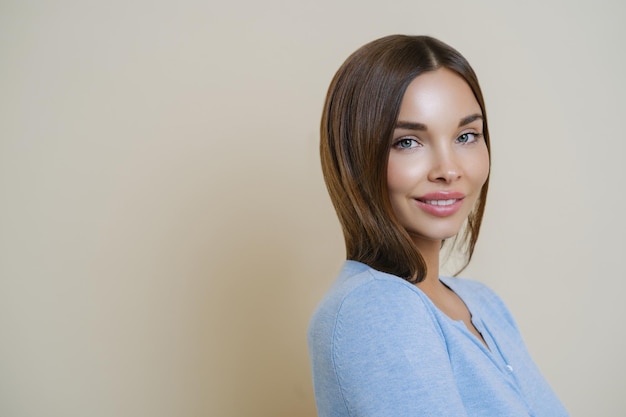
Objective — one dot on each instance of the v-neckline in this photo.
(474, 319)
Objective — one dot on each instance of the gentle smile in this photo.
(441, 204)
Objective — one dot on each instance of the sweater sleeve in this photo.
(389, 356)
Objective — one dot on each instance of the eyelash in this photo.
(476, 137)
(404, 139)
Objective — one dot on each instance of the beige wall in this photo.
(165, 233)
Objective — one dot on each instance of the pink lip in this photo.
(441, 210)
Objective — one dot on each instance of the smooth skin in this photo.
(438, 149)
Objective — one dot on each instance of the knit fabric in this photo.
(380, 347)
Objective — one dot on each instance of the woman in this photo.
(405, 156)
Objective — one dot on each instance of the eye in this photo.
(406, 143)
(468, 137)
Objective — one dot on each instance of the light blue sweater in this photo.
(380, 348)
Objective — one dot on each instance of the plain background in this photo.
(165, 233)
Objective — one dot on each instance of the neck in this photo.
(430, 250)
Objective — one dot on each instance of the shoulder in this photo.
(376, 348)
(360, 287)
(364, 300)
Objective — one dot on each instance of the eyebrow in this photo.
(469, 119)
(420, 126)
(410, 126)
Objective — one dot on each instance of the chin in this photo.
(434, 235)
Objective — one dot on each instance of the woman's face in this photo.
(438, 161)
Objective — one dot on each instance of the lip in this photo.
(441, 203)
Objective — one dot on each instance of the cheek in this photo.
(475, 166)
(402, 174)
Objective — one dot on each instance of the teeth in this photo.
(440, 202)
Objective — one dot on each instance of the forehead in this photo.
(438, 96)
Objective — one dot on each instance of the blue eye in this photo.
(468, 137)
(406, 143)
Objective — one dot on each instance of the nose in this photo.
(445, 167)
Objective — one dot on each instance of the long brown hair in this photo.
(358, 121)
